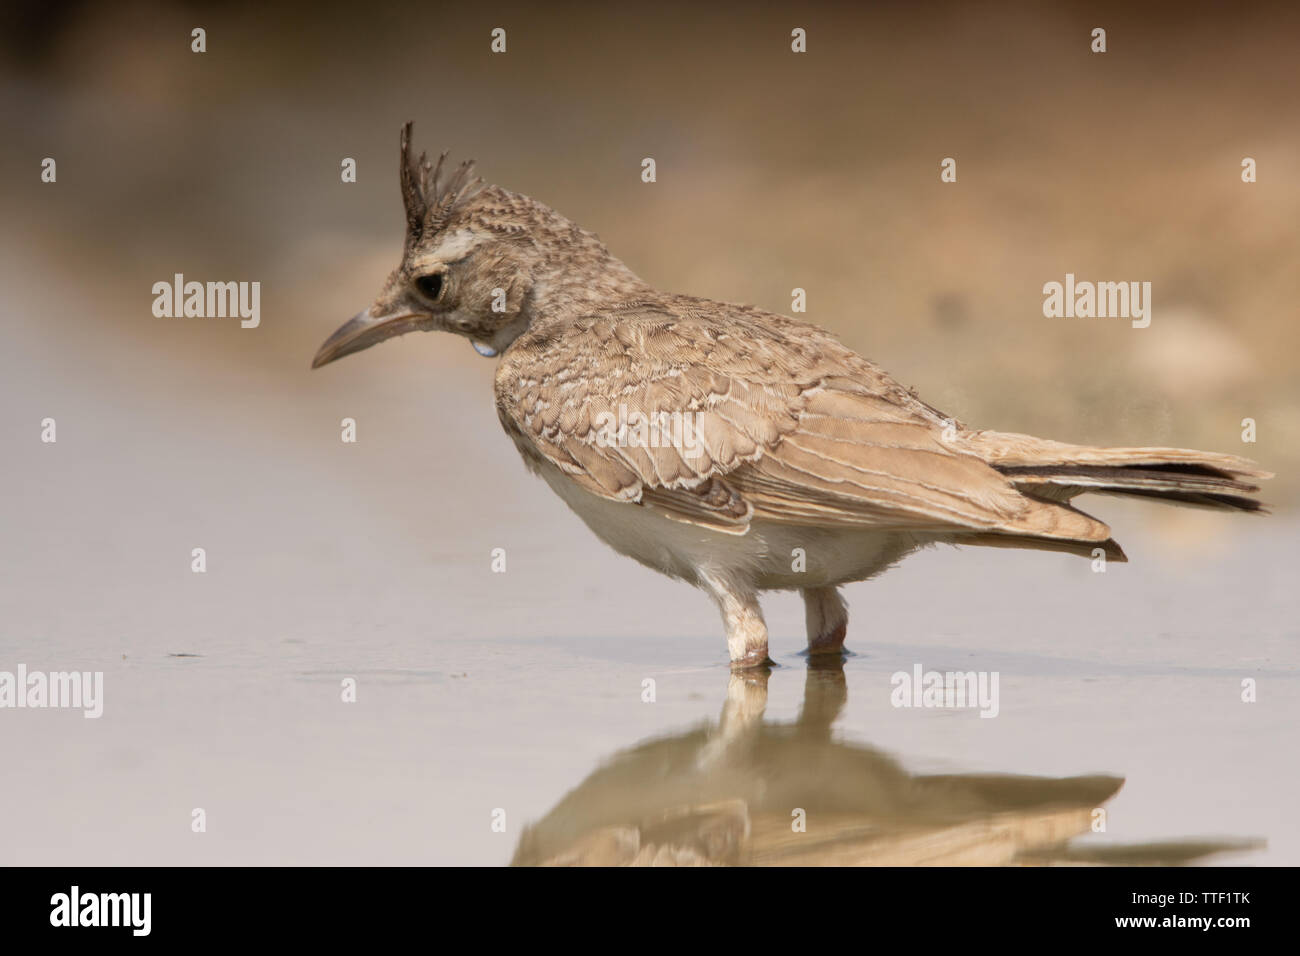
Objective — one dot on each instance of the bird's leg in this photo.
(742, 617)
(828, 620)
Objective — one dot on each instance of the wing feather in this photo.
(717, 414)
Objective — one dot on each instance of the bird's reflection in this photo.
(750, 792)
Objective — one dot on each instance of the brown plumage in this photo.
(775, 437)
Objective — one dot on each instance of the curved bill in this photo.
(362, 331)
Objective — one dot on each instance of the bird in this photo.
(735, 449)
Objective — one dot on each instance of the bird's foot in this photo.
(751, 658)
(831, 642)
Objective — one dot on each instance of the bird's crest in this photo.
(430, 202)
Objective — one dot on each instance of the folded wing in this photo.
(761, 417)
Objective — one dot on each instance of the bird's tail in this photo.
(1055, 471)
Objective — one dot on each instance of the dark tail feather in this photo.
(1185, 483)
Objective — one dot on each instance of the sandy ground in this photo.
(480, 691)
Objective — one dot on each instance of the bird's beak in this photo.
(362, 331)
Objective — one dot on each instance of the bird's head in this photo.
(475, 258)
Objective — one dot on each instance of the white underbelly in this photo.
(769, 555)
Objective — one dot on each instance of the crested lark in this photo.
(784, 439)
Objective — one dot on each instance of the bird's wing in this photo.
(716, 414)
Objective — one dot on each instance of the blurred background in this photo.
(774, 171)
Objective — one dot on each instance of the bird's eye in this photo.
(430, 286)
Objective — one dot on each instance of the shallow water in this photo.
(465, 709)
